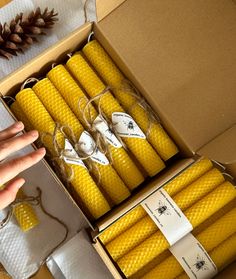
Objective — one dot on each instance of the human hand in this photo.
(9, 143)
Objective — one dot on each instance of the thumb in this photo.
(8, 194)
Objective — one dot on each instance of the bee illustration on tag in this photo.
(201, 264)
(130, 125)
(163, 209)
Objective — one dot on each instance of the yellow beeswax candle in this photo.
(61, 113)
(210, 238)
(141, 149)
(72, 94)
(176, 185)
(157, 243)
(222, 255)
(25, 214)
(17, 111)
(82, 182)
(126, 241)
(113, 77)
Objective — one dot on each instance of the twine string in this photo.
(66, 170)
(127, 87)
(88, 118)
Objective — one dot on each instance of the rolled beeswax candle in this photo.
(17, 111)
(157, 243)
(222, 255)
(141, 149)
(72, 93)
(25, 214)
(113, 77)
(176, 185)
(126, 241)
(82, 182)
(210, 238)
(61, 113)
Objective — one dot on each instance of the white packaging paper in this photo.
(77, 259)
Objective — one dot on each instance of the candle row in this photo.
(105, 175)
(135, 241)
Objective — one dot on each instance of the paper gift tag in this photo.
(71, 156)
(126, 126)
(88, 146)
(101, 125)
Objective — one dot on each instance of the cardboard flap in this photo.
(223, 149)
(182, 54)
(105, 7)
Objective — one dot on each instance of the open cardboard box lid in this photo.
(182, 55)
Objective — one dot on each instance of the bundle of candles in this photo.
(135, 243)
(106, 145)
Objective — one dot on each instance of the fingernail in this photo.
(34, 133)
(42, 150)
(22, 183)
(19, 125)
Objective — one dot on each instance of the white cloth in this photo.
(77, 259)
(71, 16)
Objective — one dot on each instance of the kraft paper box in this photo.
(181, 55)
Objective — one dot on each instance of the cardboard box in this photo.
(181, 55)
(39, 66)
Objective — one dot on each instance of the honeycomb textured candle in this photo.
(82, 182)
(146, 227)
(222, 255)
(141, 149)
(156, 243)
(210, 238)
(61, 113)
(72, 93)
(113, 77)
(176, 185)
(25, 214)
(17, 111)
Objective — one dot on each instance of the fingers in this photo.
(16, 143)
(11, 131)
(8, 195)
(12, 168)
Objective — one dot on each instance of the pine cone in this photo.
(23, 31)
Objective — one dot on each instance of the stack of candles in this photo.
(135, 241)
(59, 101)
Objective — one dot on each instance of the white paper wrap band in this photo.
(193, 258)
(167, 216)
(126, 126)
